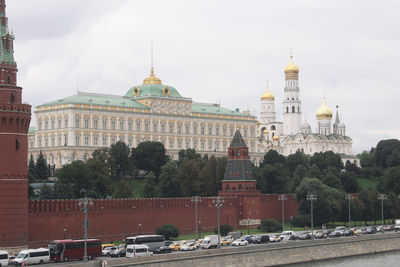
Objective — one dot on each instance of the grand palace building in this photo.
(72, 128)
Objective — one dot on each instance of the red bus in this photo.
(68, 249)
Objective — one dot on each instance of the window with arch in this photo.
(17, 142)
(12, 98)
(8, 80)
(287, 109)
(227, 187)
(240, 187)
(293, 109)
(273, 128)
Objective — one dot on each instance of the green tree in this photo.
(384, 151)
(296, 159)
(272, 157)
(224, 229)
(149, 156)
(169, 184)
(168, 231)
(119, 160)
(124, 190)
(274, 179)
(78, 175)
(41, 167)
(325, 159)
(331, 180)
(150, 189)
(391, 180)
(270, 226)
(327, 207)
(314, 171)
(210, 176)
(301, 171)
(367, 159)
(32, 175)
(349, 182)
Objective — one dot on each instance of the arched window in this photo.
(293, 109)
(227, 187)
(8, 80)
(240, 187)
(273, 128)
(17, 144)
(12, 98)
(287, 109)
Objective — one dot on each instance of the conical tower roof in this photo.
(238, 140)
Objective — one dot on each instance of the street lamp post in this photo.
(196, 201)
(312, 198)
(65, 233)
(248, 226)
(291, 224)
(84, 204)
(349, 197)
(218, 202)
(382, 197)
(283, 198)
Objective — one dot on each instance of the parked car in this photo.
(240, 242)
(248, 238)
(397, 227)
(4, 260)
(320, 235)
(118, 251)
(226, 242)
(306, 235)
(107, 250)
(286, 234)
(348, 232)
(163, 250)
(274, 238)
(189, 246)
(335, 234)
(168, 242)
(370, 230)
(261, 239)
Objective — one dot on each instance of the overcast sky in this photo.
(219, 52)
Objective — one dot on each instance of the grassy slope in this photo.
(368, 183)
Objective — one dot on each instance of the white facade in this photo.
(291, 135)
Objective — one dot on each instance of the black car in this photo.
(348, 233)
(163, 250)
(370, 230)
(335, 234)
(248, 238)
(260, 239)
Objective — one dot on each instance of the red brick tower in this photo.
(239, 180)
(14, 123)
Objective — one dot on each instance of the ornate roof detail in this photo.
(152, 79)
(237, 140)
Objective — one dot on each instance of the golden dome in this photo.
(276, 138)
(265, 131)
(152, 79)
(324, 112)
(267, 95)
(291, 67)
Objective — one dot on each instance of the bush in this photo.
(270, 225)
(224, 229)
(301, 220)
(168, 231)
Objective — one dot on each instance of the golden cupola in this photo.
(291, 68)
(152, 79)
(323, 112)
(267, 95)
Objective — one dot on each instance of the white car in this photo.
(107, 251)
(239, 242)
(188, 246)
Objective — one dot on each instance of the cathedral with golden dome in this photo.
(291, 134)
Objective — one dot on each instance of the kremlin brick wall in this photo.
(115, 219)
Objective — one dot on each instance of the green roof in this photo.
(215, 109)
(153, 90)
(97, 99)
(6, 56)
(31, 129)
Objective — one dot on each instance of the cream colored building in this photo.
(291, 135)
(72, 128)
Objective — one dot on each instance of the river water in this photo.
(376, 260)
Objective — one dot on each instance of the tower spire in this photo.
(152, 67)
(3, 7)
